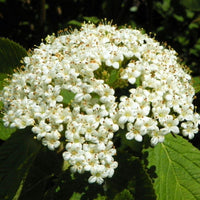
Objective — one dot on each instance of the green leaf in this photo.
(74, 23)
(92, 19)
(138, 82)
(193, 26)
(11, 54)
(76, 196)
(5, 132)
(43, 179)
(16, 157)
(191, 4)
(165, 5)
(66, 165)
(189, 13)
(130, 175)
(68, 96)
(182, 40)
(177, 165)
(178, 18)
(125, 194)
(100, 197)
(114, 74)
(196, 83)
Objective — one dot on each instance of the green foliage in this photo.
(192, 4)
(177, 165)
(184, 38)
(11, 54)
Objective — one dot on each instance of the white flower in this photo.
(157, 136)
(98, 174)
(107, 94)
(170, 124)
(110, 167)
(73, 150)
(78, 164)
(127, 111)
(189, 129)
(109, 125)
(161, 111)
(131, 73)
(135, 132)
(147, 123)
(127, 114)
(117, 78)
(51, 140)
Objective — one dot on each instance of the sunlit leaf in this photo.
(177, 165)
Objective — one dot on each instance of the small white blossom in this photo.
(98, 174)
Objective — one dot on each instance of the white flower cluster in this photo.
(89, 64)
(162, 102)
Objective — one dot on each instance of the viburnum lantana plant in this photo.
(83, 87)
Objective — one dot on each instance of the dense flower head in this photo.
(67, 89)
